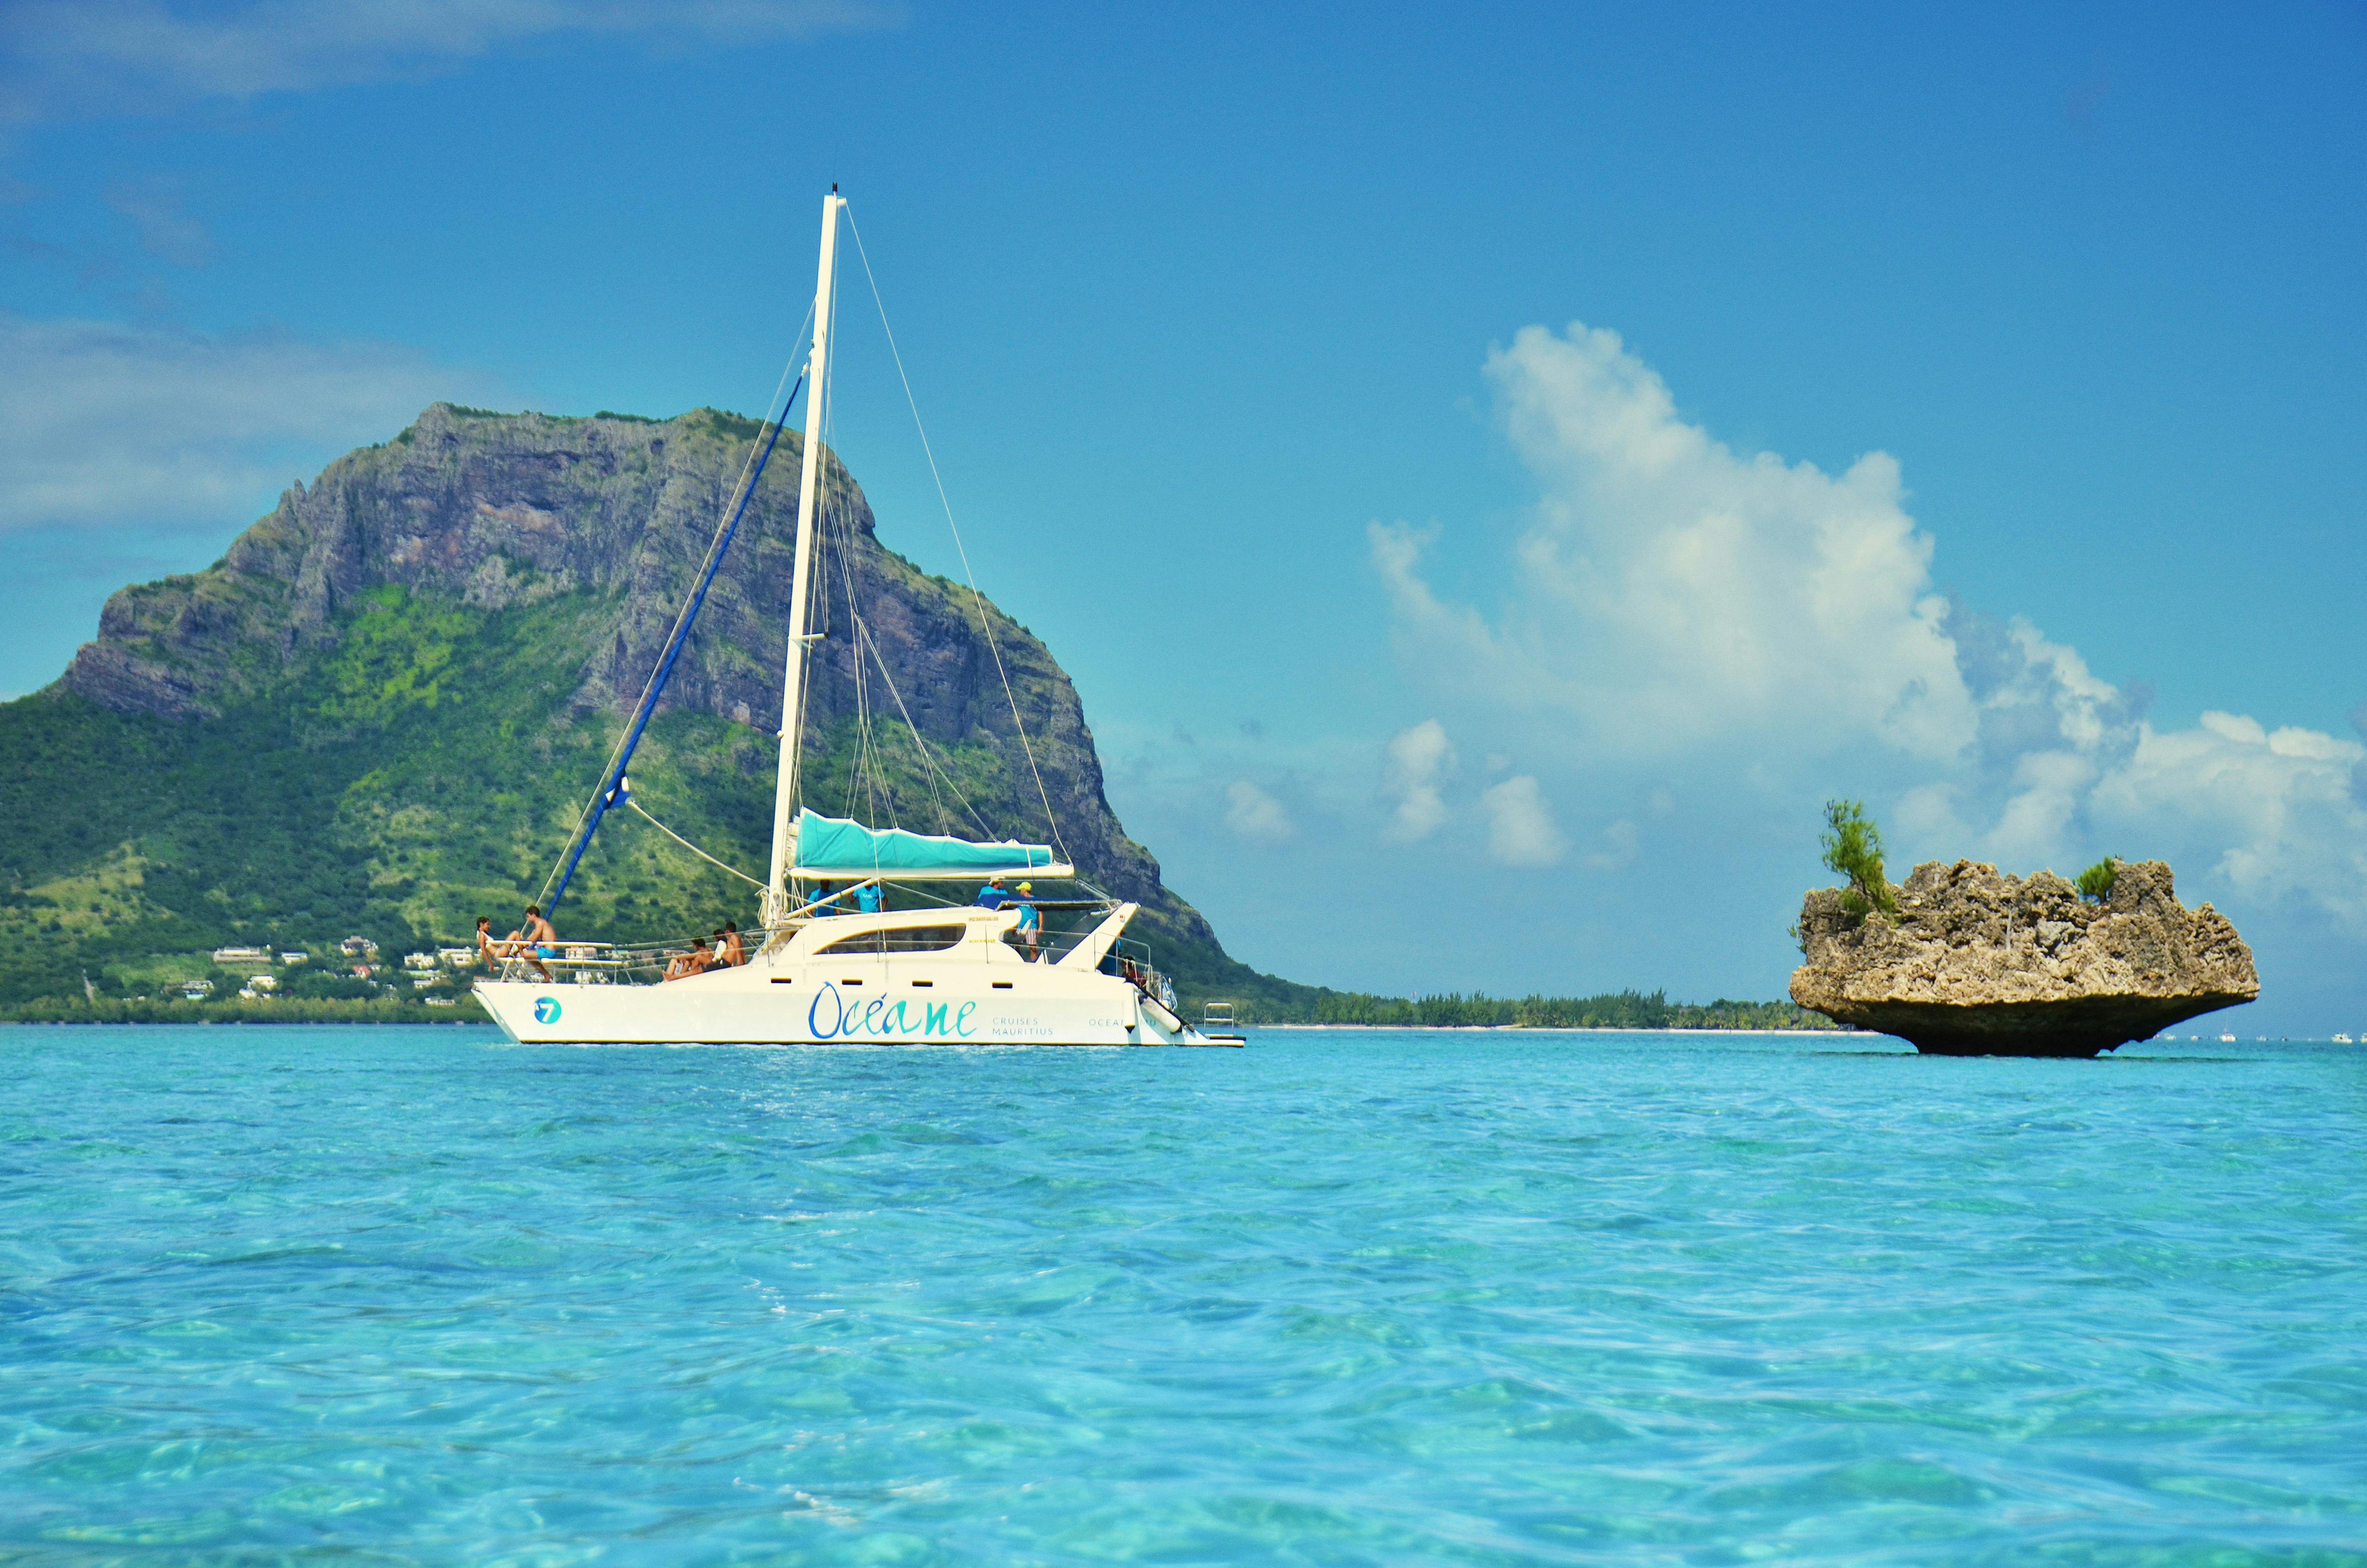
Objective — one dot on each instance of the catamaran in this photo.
(859, 939)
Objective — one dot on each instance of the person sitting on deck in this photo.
(537, 932)
(1030, 923)
(696, 962)
(991, 896)
(489, 953)
(729, 949)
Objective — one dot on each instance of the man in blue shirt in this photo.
(1030, 922)
(991, 896)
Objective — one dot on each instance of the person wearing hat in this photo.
(1030, 922)
(991, 896)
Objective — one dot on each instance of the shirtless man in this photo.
(696, 962)
(729, 949)
(545, 941)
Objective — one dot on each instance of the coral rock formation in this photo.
(1977, 963)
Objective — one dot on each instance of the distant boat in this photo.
(854, 943)
(2227, 1040)
(2342, 1039)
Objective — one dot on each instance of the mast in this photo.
(785, 789)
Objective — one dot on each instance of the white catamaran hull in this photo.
(895, 1002)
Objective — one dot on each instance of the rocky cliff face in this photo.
(498, 510)
(1980, 963)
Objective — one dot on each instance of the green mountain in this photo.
(380, 712)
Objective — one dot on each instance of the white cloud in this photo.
(1521, 826)
(1774, 628)
(106, 424)
(2285, 812)
(1420, 760)
(1256, 816)
(1671, 591)
(1622, 843)
(83, 56)
(166, 229)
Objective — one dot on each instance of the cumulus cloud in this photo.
(106, 424)
(1251, 813)
(1671, 590)
(2282, 808)
(80, 56)
(1521, 826)
(1675, 601)
(1420, 760)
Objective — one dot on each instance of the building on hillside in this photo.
(295, 956)
(358, 948)
(418, 960)
(197, 990)
(241, 958)
(457, 958)
(263, 982)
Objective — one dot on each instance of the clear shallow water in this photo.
(393, 1296)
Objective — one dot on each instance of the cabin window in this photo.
(900, 939)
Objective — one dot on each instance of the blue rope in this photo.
(609, 791)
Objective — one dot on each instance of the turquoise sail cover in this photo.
(828, 845)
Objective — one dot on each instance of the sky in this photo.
(1492, 472)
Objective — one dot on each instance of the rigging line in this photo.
(865, 771)
(866, 734)
(612, 778)
(722, 537)
(919, 748)
(978, 600)
(920, 742)
(687, 844)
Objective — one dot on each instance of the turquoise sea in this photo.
(387, 1296)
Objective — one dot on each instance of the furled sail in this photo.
(836, 847)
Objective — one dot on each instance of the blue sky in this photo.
(1247, 339)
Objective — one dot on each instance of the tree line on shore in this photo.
(1611, 1010)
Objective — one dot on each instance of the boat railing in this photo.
(1125, 958)
(595, 963)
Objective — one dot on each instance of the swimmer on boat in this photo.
(538, 931)
(698, 960)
